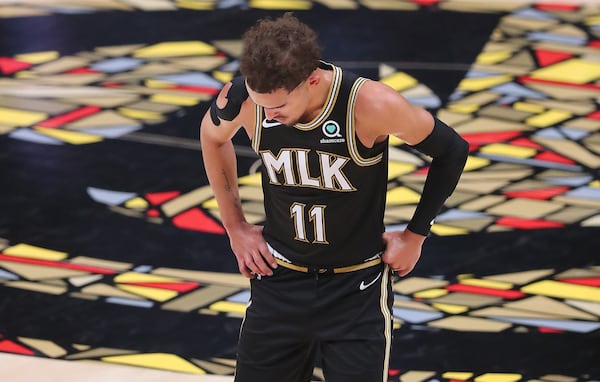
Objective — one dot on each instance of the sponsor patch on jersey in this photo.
(331, 129)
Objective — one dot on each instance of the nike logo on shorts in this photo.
(266, 123)
(364, 286)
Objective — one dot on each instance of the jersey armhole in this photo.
(354, 145)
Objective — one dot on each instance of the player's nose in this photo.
(270, 114)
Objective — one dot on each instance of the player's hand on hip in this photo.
(402, 250)
(251, 251)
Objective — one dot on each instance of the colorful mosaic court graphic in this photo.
(110, 230)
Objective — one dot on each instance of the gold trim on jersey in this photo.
(387, 316)
(257, 128)
(350, 130)
(334, 89)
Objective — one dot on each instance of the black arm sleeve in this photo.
(449, 152)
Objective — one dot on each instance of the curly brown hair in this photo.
(279, 54)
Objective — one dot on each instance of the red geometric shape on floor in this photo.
(196, 89)
(195, 219)
(422, 171)
(549, 57)
(71, 116)
(393, 372)
(594, 115)
(486, 138)
(553, 157)
(524, 142)
(11, 347)
(84, 70)
(525, 79)
(589, 281)
(10, 65)
(426, 3)
(508, 294)
(540, 194)
(54, 264)
(181, 287)
(564, 7)
(157, 198)
(550, 330)
(153, 213)
(520, 223)
(594, 44)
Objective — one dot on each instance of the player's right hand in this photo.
(251, 251)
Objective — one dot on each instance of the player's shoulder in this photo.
(232, 101)
(375, 98)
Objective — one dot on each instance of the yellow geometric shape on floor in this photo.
(444, 230)
(395, 141)
(549, 118)
(281, 4)
(71, 137)
(399, 81)
(498, 377)
(37, 57)
(228, 307)
(505, 150)
(155, 294)
(195, 5)
(20, 118)
(464, 108)
(398, 168)
(33, 252)
(524, 106)
(162, 361)
(488, 58)
(137, 203)
(402, 195)
(251, 180)
(139, 114)
(176, 49)
(563, 290)
(487, 283)
(478, 84)
(457, 375)
(451, 308)
(174, 99)
(158, 84)
(211, 204)
(574, 71)
(431, 293)
(475, 163)
(224, 77)
(135, 277)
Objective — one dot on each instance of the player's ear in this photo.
(313, 78)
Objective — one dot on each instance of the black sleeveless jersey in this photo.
(324, 192)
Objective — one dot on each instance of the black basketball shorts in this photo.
(292, 316)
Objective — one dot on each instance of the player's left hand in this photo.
(402, 250)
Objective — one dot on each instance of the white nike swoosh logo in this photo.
(364, 286)
(267, 124)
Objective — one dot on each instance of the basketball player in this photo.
(320, 266)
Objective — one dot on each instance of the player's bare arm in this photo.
(380, 112)
(219, 125)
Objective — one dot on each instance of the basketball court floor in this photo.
(114, 264)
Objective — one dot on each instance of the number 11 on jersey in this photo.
(316, 215)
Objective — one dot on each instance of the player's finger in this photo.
(244, 270)
(261, 266)
(268, 256)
